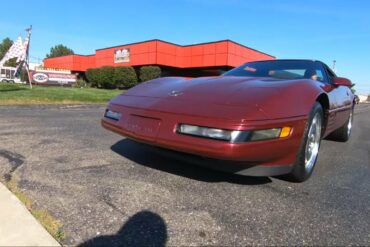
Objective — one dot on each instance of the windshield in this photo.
(280, 69)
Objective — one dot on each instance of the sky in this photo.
(324, 30)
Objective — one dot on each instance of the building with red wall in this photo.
(175, 60)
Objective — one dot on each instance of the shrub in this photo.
(92, 77)
(112, 77)
(105, 76)
(149, 72)
(80, 83)
(124, 77)
(101, 77)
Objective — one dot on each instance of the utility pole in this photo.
(27, 60)
(334, 62)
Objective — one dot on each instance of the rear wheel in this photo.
(343, 133)
(309, 149)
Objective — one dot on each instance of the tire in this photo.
(343, 133)
(4, 80)
(309, 148)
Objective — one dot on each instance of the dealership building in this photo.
(194, 60)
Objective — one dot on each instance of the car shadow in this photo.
(143, 229)
(181, 165)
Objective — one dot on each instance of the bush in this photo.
(112, 77)
(101, 77)
(106, 76)
(93, 77)
(80, 83)
(125, 77)
(149, 73)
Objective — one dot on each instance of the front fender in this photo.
(294, 100)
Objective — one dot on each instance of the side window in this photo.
(320, 75)
(330, 73)
(323, 73)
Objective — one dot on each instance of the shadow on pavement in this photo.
(179, 164)
(143, 229)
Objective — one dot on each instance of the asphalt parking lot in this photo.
(109, 190)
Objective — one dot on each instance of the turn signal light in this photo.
(285, 132)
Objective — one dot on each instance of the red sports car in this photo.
(267, 117)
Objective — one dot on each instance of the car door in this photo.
(341, 104)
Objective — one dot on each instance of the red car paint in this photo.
(152, 111)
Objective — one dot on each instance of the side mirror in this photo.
(341, 81)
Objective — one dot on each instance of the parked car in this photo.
(357, 99)
(268, 117)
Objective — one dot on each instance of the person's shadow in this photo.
(143, 229)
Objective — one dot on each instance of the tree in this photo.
(59, 50)
(124, 77)
(24, 76)
(149, 73)
(11, 62)
(5, 46)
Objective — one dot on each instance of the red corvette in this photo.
(267, 117)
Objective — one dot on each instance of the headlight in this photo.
(220, 134)
(234, 135)
(258, 135)
(112, 115)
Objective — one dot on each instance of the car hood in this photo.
(219, 90)
(224, 96)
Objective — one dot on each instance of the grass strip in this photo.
(22, 94)
(52, 225)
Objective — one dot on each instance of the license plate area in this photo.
(143, 126)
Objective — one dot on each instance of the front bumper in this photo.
(259, 158)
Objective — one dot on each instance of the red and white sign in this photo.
(46, 78)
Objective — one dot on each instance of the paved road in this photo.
(106, 189)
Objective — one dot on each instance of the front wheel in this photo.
(309, 149)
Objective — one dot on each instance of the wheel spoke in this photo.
(313, 142)
(349, 125)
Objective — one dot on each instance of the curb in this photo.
(18, 227)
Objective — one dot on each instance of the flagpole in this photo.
(27, 56)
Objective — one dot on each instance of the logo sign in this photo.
(40, 77)
(122, 55)
(50, 78)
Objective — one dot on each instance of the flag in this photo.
(16, 50)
